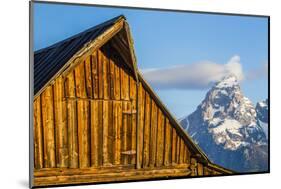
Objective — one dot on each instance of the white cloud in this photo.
(193, 76)
(234, 66)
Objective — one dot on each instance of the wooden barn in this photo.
(97, 120)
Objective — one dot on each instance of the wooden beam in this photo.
(123, 51)
(111, 176)
(46, 172)
(132, 51)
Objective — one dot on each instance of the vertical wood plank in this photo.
(117, 123)
(72, 122)
(83, 133)
(60, 123)
(125, 124)
(88, 76)
(129, 131)
(160, 139)
(95, 76)
(100, 132)
(105, 75)
(182, 152)
(48, 128)
(133, 97)
(105, 132)
(188, 154)
(94, 133)
(174, 146)
(193, 167)
(83, 117)
(64, 130)
(100, 73)
(146, 139)
(178, 150)
(111, 78)
(117, 82)
(80, 83)
(141, 104)
(200, 169)
(206, 171)
(110, 133)
(117, 112)
(37, 126)
(124, 84)
(153, 134)
(168, 149)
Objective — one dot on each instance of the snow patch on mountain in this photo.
(227, 82)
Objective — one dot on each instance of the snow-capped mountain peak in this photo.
(225, 123)
(227, 81)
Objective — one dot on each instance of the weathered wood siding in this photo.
(88, 117)
(96, 120)
(159, 143)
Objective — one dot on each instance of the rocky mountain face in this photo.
(262, 115)
(227, 127)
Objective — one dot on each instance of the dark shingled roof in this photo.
(48, 61)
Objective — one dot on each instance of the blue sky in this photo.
(164, 40)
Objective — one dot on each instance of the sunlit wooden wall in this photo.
(97, 116)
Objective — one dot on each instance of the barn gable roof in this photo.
(50, 60)
(56, 59)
